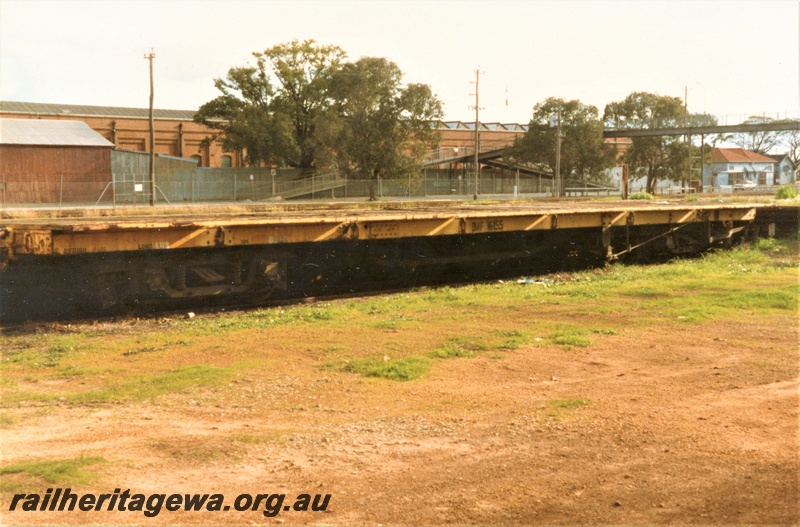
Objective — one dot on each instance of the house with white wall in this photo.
(785, 172)
(734, 166)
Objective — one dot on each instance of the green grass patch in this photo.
(139, 388)
(459, 347)
(510, 339)
(57, 472)
(152, 386)
(44, 352)
(603, 331)
(405, 369)
(569, 337)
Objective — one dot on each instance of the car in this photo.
(745, 185)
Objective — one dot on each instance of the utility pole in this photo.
(477, 135)
(152, 172)
(688, 136)
(558, 186)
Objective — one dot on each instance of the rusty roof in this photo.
(738, 155)
(49, 133)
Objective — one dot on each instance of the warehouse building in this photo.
(177, 135)
(51, 161)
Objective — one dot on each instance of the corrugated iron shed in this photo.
(39, 132)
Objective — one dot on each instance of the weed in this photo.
(150, 387)
(641, 195)
(768, 246)
(511, 338)
(568, 404)
(603, 331)
(6, 420)
(145, 349)
(569, 337)
(58, 472)
(405, 369)
(451, 350)
(459, 347)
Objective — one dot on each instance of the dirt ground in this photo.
(696, 426)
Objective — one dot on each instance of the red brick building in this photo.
(178, 135)
(129, 128)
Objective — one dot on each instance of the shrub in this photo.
(641, 195)
(785, 192)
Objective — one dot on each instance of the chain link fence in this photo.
(254, 185)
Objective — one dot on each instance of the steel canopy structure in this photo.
(776, 126)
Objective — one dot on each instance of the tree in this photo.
(584, 153)
(270, 111)
(791, 141)
(656, 158)
(246, 119)
(377, 127)
(303, 71)
(760, 142)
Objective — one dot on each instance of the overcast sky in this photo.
(737, 58)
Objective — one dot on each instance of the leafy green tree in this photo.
(378, 127)
(270, 111)
(657, 158)
(303, 71)
(584, 154)
(245, 118)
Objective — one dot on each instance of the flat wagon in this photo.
(61, 265)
